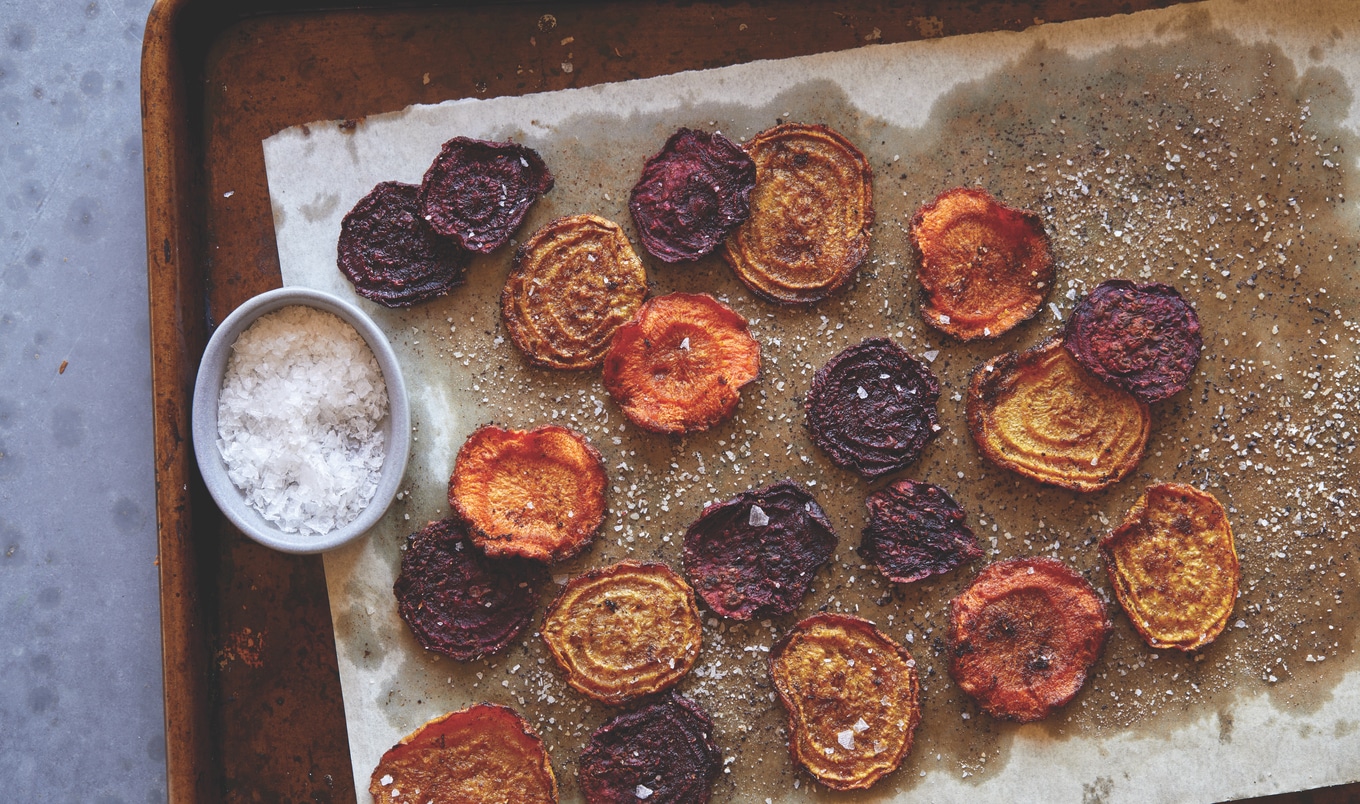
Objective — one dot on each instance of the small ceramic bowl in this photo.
(209, 384)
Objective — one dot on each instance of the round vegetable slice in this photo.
(485, 753)
(663, 753)
(478, 192)
(984, 267)
(575, 281)
(916, 530)
(624, 631)
(852, 696)
(678, 366)
(457, 601)
(757, 552)
(811, 212)
(1023, 637)
(1143, 338)
(531, 493)
(390, 255)
(1039, 413)
(1174, 567)
(692, 194)
(871, 408)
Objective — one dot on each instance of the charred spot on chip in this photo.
(852, 696)
(536, 494)
(1023, 637)
(1174, 567)
(678, 366)
(984, 267)
(811, 212)
(916, 530)
(485, 753)
(871, 408)
(575, 281)
(457, 601)
(390, 255)
(1042, 415)
(692, 194)
(663, 753)
(624, 631)
(756, 553)
(478, 192)
(1143, 338)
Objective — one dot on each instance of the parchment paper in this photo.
(1211, 146)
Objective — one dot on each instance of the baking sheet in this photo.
(1207, 146)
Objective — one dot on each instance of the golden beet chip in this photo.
(1023, 637)
(811, 211)
(852, 696)
(1173, 566)
(984, 267)
(485, 754)
(624, 631)
(1041, 414)
(679, 365)
(574, 282)
(533, 493)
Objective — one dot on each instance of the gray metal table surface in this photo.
(81, 714)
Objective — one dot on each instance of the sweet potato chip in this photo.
(1023, 637)
(1143, 338)
(457, 601)
(662, 754)
(916, 530)
(871, 408)
(757, 552)
(811, 212)
(679, 365)
(1039, 413)
(1173, 566)
(478, 192)
(575, 281)
(852, 696)
(624, 631)
(692, 195)
(485, 754)
(531, 493)
(389, 253)
(984, 267)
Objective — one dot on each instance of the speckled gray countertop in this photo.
(81, 717)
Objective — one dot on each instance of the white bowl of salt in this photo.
(301, 423)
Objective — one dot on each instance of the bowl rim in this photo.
(207, 388)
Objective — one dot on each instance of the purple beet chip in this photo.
(1143, 338)
(757, 552)
(478, 192)
(390, 255)
(692, 194)
(916, 530)
(663, 753)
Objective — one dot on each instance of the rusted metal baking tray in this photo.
(252, 698)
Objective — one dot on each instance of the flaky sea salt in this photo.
(299, 420)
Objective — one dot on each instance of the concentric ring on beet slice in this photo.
(916, 530)
(459, 602)
(663, 753)
(871, 408)
(390, 255)
(478, 192)
(1143, 338)
(691, 195)
(756, 554)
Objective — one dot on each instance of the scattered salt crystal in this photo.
(944, 319)
(685, 344)
(642, 791)
(385, 780)
(758, 518)
(931, 354)
(863, 394)
(846, 739)
(860, 726)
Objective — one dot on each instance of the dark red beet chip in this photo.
(478, 192)
(757, 552)
(390, 255)
(1142, 338)
(692, 195)
(872, 408)
(666, 748)
(457, 601)
(916, 530)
